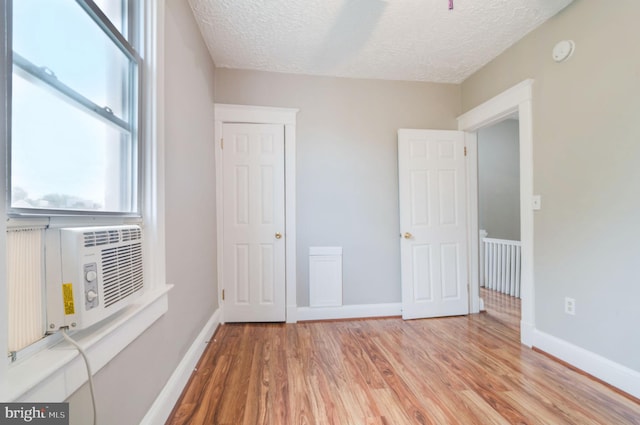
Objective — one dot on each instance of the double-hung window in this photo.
(73, 140)
(75, 90)
(73, 98)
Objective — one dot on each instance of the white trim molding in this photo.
(517, 99)
(497, 108)
(357, 311)
(473, 261)
(622, 377)
(5, 69)
(154, 146)
(170, 394)
(263, 115)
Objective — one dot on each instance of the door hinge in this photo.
(222, 144)
(465, 151)
(223, 295)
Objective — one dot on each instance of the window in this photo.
(42, 368)
(74, 142)
(72, 132)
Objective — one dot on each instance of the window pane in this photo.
(65, 158)
(61, 36)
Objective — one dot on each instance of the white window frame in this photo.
(54, 373)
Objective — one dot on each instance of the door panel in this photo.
(422, 270)
(253, 223)
(433, 223)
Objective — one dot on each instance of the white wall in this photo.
(347, 172)
(128, 385)
(586, 150)
(499, 180)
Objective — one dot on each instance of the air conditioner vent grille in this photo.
(106, 237)
(121, 272)
(131, 234)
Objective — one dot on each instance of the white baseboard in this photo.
(349, 311)
(527, 331)
(622, 377)
(168, 397)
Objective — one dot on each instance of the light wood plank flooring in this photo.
(462, 370)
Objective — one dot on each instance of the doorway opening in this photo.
(516, 100)
(499, 213)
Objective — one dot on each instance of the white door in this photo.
(253, 223)
(433, 227)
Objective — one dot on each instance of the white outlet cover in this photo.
(570, 306)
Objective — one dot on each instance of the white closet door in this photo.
(254, 223)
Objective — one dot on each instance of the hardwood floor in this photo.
(460, 370)
(502, 308)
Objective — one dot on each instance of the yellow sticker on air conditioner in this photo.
(67, 298)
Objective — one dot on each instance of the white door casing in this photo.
(229, 113)
(433, 223)
(254, 222)
(517, 99)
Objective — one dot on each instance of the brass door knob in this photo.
(407, 235)
(278, 235)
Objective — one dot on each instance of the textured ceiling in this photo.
(415, 40)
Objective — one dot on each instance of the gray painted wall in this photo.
(499, 180)
(347, 172)
(128, 385)
(586, 154)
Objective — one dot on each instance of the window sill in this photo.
(55, 373)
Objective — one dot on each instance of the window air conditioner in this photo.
(91, 273)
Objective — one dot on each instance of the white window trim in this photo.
(53, 374)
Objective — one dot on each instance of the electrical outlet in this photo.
(570, 306)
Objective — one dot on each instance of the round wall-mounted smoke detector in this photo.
(563, 50)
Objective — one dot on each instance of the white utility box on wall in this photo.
(325, 276)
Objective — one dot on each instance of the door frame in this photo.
(518, 99)
(227, 114)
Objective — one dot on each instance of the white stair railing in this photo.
(501, 265)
